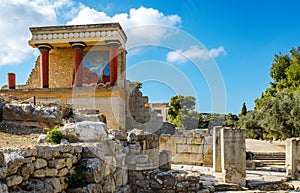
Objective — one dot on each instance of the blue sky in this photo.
(235, 41)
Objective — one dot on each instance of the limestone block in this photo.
(51, 172)
(233, 156)
(3, 172)
(14, 161)
(40, 163)
(14, 180)
(86, 131)
(95, 170)
(118, 134)
(181, 158)
(39, 173)
(53, 184)
(182, 148)
(3, 188)
(26, 170)
(34, 115)
(47, 152)
(194, 141)
(63, 172)
(57, 163)
(84, 117)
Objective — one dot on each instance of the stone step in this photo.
(269, 156)
(260, 163)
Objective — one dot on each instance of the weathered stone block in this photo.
(57, 163)
(63, 172)
(40, 163)
(181, 148)
(51, 172)
(39, 173)
(14, 180)
(95, 170)
(3, 188)
(194, 141)
(26, 170)
(233, 156)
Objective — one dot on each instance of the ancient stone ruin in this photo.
(111, 139)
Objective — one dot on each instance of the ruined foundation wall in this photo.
(193, 147)
(46, 168)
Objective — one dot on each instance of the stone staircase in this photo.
(270, 158)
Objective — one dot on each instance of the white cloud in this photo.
(16, 17)
(194, 52)
(135, 18)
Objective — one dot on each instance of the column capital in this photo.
(46, 47)
(78, 45)
(113, 43)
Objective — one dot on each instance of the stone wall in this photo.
(192, 147)
(48, 168)
(157, 181)
(138, 113)
(34, 80)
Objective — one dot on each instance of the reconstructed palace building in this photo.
(83, 65)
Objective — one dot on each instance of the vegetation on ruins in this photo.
(182, 113)
(137, 85)
(277, 111)
(54, 135)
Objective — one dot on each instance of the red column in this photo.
(78, 56)
(113, 61)
(44, 65)
(11, 80)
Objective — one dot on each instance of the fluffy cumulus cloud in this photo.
(131, 22)
(16, 16)
(194, 52)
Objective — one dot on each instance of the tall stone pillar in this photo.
(11, 80)
(292, 160)
(233, 158)
(113, 46)
(44, 64)
(78, 56)
(217, 149)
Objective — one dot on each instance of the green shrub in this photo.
(54, 135)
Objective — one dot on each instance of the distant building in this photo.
(161, 109)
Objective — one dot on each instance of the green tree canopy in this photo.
(181, 112)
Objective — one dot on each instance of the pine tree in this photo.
(244, 110)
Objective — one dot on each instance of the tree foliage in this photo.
(243, 110)
(277, 111)
(182, 113)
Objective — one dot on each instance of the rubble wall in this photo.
(48, 168)
(194, 147)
